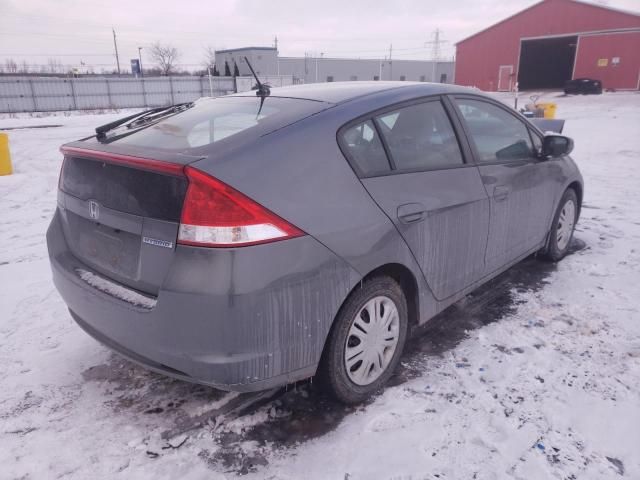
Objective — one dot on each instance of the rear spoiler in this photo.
(548, 125)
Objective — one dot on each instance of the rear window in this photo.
(214, 119)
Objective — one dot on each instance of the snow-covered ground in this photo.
(535, 376)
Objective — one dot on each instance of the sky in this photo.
(75, 31)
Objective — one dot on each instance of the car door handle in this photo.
(411, 212)
(501, 193)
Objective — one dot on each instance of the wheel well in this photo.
(407, 282)
(576, 187)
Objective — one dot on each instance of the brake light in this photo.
(216, 215)
(127, 160)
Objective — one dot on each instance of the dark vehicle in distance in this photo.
(250, 241)
(583, 86)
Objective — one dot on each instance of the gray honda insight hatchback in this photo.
(254, 240)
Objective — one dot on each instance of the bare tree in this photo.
(54, 65)
(10, 65)
(165, 56)
(24, 68)
(209, 60)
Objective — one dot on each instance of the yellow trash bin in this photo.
(549, 109)
(5, 156)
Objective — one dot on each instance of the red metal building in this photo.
(551, 42)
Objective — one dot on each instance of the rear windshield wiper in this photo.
(141, 118)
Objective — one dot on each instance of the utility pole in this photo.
(115, 44)
(435, 52)
(390, 62)
(275, 44)
(318, 58)
(140, 60)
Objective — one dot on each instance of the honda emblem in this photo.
(94, 210)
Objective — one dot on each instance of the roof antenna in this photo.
(263, 89)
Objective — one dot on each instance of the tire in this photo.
(352, 331)
(564, 222)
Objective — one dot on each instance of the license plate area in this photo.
(109, 249)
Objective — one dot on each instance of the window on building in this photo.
(353, 78)
(330, 78)
(364, 149)
(402, 78)
(420, 137)
(497, 135)
(443, 78)
(376, 78)
(423, 78)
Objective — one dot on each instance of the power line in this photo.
(57, 54)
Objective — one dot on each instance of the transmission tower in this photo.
(435, 50)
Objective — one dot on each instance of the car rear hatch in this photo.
(121, 214)
(121, 196)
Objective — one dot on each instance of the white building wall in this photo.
(318, 69)
(263, 60)
(266, 61)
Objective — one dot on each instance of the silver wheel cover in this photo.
(566, 221)
(372, 340)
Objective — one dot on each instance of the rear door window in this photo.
(364, 149)
(420, 137)
(497, 135)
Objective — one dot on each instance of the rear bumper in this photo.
(242, 319)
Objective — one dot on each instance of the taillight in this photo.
(216, 215)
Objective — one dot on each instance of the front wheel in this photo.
(562, 228)
(366, 341)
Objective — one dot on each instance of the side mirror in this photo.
(556, 146)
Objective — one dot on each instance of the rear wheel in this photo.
(366, 341)
(564, 223)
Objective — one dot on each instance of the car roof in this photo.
(339, 92)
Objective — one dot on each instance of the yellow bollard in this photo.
(5, 156)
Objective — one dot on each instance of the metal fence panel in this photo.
(56, 95)
(127, 93)
(15, 87)
(91, 94)
(17, 104)
(156, 85)
(158, 99)
(42, 94)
